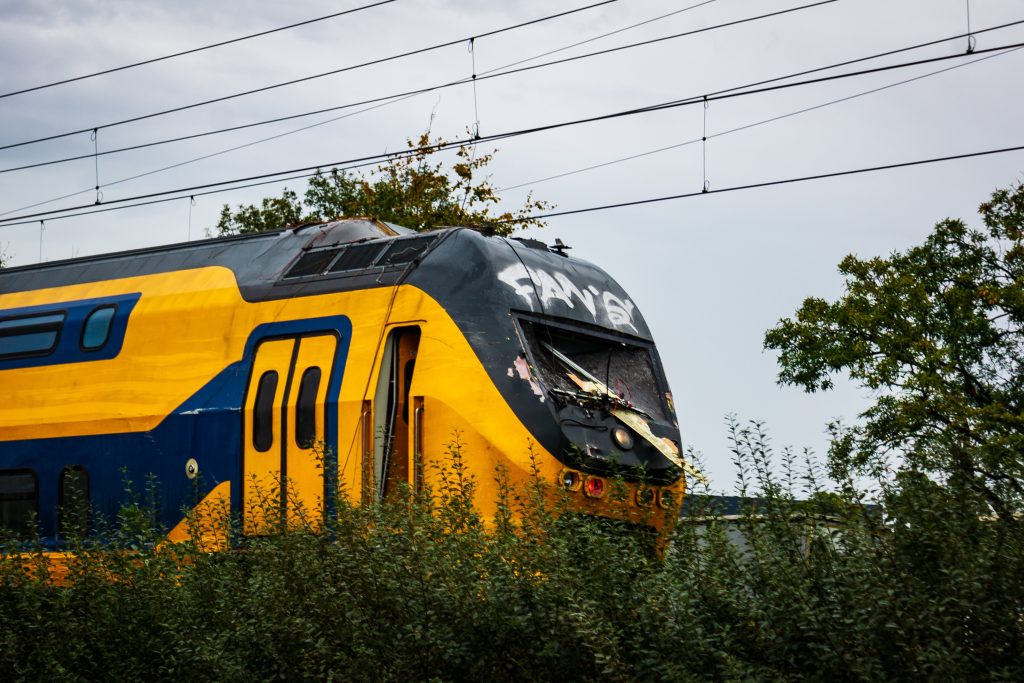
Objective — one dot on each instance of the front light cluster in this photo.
(596, 487)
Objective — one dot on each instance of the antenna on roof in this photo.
(560, 248)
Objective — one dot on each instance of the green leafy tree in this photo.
(937, 334)
(408, 189)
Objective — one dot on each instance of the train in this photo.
(344, 358)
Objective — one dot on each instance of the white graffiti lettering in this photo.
(532, 283)
(586, 297)
(513, 276)
(619, 312)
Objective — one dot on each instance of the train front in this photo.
(574, 360)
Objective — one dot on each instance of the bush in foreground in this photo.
(423, 588)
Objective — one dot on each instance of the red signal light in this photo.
(594, 487)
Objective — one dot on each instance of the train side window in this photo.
(312, 263)
(73, 501)
(263, 412)
(34, 335)
(19, 500)
(96, 329)
(305, 408)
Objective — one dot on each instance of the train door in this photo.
(396, 415)
(285, 416)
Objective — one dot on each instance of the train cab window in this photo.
(263, 412)
(19, 501)
(96, 329)
(34, 335)
(621, 367)
(73, 501)
(392, 447)
(305, 408)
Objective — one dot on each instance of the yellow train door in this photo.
(284, 432)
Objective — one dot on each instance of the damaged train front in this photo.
(574, 359)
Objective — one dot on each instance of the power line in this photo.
(397, 96)
(192, 51)
(192, 160)
(491, 74)
(732, 93)
(738, 92)
(382, 60)
(771, 183)
(638, 202)
(384, 101)
(748, 126)
(511, 187)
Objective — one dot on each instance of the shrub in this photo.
(422, 587)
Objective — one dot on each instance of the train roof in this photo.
(455, 265)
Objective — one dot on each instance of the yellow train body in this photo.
(354, 383)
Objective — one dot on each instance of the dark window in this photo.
(410, 366)
(263, 412)
(404, 251)
(73, 510)
(96, 329)
(357, 256)
(622, 368)
(305, 408)
(312, 263)
(30, 335)
(19, 501)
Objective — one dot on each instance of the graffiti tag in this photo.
(532, 283)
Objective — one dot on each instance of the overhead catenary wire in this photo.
(770, 183)
(186, 162)
(194, 50)
(384, 101)
(304, 79)
(386, 98)
(727, 94)
(653, 200)
(498, 73)
(754, 124)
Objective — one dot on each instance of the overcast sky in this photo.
(710, 273)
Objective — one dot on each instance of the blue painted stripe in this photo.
(207, 426)
(68, 348)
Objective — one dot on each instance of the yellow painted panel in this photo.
(261, 491)
(186, 327)
(305, 465)
(190, 325)
(208, 523)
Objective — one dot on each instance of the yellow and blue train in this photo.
(338, 356)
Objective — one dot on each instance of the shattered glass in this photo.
(624, 370)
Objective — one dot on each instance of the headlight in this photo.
(571, 480)
(644, 497)
(622, 438)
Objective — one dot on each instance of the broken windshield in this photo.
(576, 362)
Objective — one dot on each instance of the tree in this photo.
(406, 189)
(937, 334)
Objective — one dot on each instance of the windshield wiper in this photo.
(592, 387)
